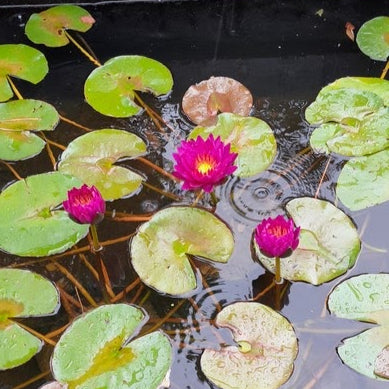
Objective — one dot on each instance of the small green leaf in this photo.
(23, 62)
(251, 138)
(373, 38)
(91, 158)
(110, 89)
(267, 349)
(49, 27)
(160, 247)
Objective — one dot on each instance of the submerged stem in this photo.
(386, 68)
(75, 124)
(13, 171)
(14, 89)
(157, 168)
(35, 333)
(322, 177)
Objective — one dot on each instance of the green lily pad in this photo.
(267, 348)
(159, 249)
(29, 223)
(329, 243)
(48, 27)
(91, 158)
(23, 62)
(373, 38)
(22, 294)
(110, 89)
(364, 298)
(364, 181)
(97, 351)
(251, 138)
(381, 366)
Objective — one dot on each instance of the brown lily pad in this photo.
(203, 101)
(381, 367)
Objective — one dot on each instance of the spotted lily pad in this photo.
(98, 351)
(364, 181)
(329, 243)
(251, 138)
(22, 294)
(91, 158)
(159, 249)
(373, 38)
(364, 298)
(30, 223)
(48, 27)
(267, 348)
(381, 366)
(23, 62)
(110, 89)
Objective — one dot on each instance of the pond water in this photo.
(284, 53)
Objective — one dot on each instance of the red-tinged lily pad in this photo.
(17, 119)
(364, 181)
(373, 38)
(22, 294)
(91, 158)
(381, 366)
(251, 138)
(31, 223)
(329, 243)
(160, 249)
(98, 350)
(49, 27)
(110, 89)
(203, 101)
(265, 352)
(23, 62)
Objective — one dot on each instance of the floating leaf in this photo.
(23, 62)
(30, 224)
(91, 158)
(159, 249)
(381, 366)
(53, 385)
(22, 294)
(373, 38)
(96, 351)
(250, 137)
(267, 348)
(110, 89)
(49, 27)
(364, 181)
(203, 101)
(329, 243)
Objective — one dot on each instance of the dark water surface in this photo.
(284, 52)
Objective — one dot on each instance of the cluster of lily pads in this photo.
(351, 116)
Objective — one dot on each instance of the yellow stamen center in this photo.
(204, 164)
(278, 231)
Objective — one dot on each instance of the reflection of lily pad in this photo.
(329, 243)
(364, 181)
(266, 352)
(363, 298)
(96, 351)
(22, 294)
(251, 138)
(110, 88)
(91, 158)
(23, 62)
(160, 247)
(373, 38)
(29, 223)
(48, 27)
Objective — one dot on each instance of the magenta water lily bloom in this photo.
(85, 205)
(277, 237)
(203, 163)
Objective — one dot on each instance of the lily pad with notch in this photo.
(329, 243)
(49, 27)
(22, 294)
(98, 350)
(159, 250)
(111, 89)
(265, 351)
(250, 137)
(23, 62)
(91, 158)
(31, 223)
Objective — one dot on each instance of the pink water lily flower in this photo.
(85, 205)
(277, 237)
(203, 163)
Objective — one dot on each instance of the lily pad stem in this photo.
(35, 333)
(157, 168)
(75, 124)
(33, 380)
(383, 75)
(13, 171)
(15, 90)
(162, 192)
(322, 177)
